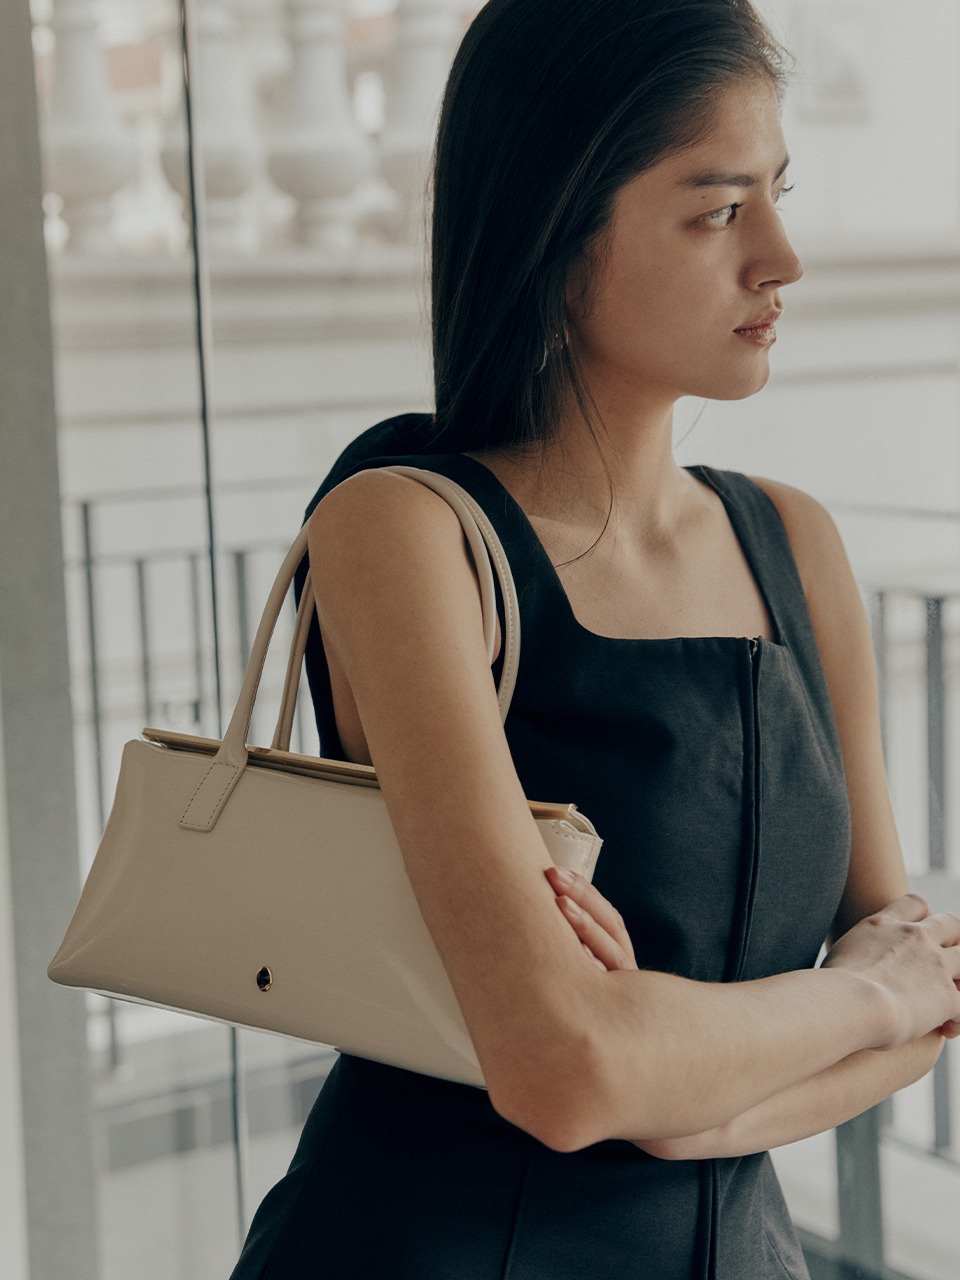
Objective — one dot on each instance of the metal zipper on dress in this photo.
(755, 647)
(709, 1178)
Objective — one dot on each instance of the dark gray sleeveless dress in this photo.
(712, 769)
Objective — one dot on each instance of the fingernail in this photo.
(565, 877)
(571, 908)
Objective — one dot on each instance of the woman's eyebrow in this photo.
(716, 179)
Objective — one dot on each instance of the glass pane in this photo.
(318, 333)
(318, 304)
(138, 584)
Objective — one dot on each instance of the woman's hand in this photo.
(597, 924)
(914, 956)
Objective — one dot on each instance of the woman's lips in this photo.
(763, 335)
(763, 330)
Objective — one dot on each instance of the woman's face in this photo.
(683, 288)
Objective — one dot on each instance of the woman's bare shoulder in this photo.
(381, 505)
(392, 577)
(815, 541)
(809, 525)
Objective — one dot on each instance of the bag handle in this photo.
(215, 789)
(485, 549)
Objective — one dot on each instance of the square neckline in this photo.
(703, 476)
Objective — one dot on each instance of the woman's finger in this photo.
(911, 907)
(601, 944)
(582, 892)
(945, 928)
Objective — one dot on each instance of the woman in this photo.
(696, 674)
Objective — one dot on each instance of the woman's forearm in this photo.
(665, 1057)
(677, 1057)
(822, 1102)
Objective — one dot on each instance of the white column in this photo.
(428, 32)
(318, 153)
(88, 153)
(39, 827)
(225, 129)
(13, 1201)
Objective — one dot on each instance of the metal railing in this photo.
(922, 638)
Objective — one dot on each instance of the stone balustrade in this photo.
(313, 119)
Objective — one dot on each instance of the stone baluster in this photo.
(428, 31)
(225, 130)
(268, 55)
(265, 46)
(317, 153)
(89, 154)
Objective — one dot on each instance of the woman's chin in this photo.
(747, 384)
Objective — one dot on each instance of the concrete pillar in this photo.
(13, 1194)
(57, 1187)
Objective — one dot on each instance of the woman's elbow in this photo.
(558, 1096)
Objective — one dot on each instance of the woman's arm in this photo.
(824, 1101)
(827, 1099)
(570, 1053)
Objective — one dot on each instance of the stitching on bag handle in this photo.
(204, 824)
(565, 832)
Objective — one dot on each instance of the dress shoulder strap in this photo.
(757, 524)
(766, 545)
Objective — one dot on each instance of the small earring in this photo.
(557, 342)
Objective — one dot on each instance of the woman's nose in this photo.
(776, 262)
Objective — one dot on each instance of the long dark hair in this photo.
(550, 108)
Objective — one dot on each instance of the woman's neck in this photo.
(570, 478)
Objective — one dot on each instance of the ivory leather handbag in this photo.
(265, 888)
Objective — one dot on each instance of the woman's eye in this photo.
(784, 191)
(724, 217)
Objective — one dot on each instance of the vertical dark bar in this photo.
(298, 723)
(937, 790)
(877, 604)
(197, 628)
(243, 620)
(86, 521)
(859, 1194)
(201, 282)
(96, 721)
(942, 1111)
(936, 735)
(146, 674)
